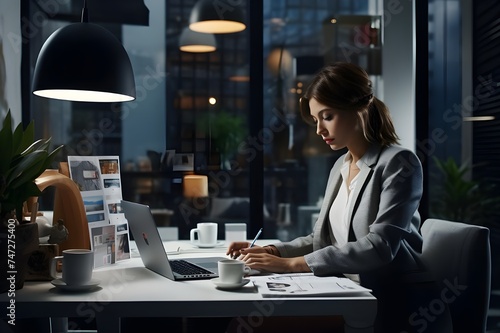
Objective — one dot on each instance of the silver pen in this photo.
(256, 237)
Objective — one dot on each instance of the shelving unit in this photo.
(354, 38)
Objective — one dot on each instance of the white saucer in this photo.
(63, 286)
(229, 286)
(203, 246)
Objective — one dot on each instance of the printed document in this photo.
(305, 284)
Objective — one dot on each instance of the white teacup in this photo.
(205, 234)
(77, 266)
(231, 271)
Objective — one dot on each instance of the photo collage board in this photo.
(98, 178)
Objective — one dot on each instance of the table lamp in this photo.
(195, 186)
(195, 191)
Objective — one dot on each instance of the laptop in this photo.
(153, 254)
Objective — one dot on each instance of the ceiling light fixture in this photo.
(216, 17)
(84, 62)
(478, 118)
(241, 75)
(196, 42)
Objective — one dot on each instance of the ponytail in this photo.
(377, 123)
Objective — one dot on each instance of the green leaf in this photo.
(6, 144)
(7, 122)
(26, 191)
(37, 145)
(50, 158)
(17, 139)
(20, 195)
(22, 160)
(28, 137)
(28, 169)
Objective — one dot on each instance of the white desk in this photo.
(128, 289)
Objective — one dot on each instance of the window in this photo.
(189, 104)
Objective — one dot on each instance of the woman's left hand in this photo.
(272, 263)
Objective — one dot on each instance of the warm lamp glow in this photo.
(241, 75)
(197, 48)
(280, 60)
(216, 17)
(196, 42)
(217, 26)
(195, 186)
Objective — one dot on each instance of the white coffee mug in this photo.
(77, 266)
(232, 271)
(235, 232)
(205, 234)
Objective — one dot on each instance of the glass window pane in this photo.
(299, 38)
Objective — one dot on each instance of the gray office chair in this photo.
(459, 256)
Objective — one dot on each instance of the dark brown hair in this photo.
(345, 86)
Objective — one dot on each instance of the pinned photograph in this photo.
(183, 162)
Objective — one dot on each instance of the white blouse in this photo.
(338, 214)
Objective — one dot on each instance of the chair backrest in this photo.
(459, 257)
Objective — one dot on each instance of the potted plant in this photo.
(456, 198)
(22, 161)
(227, 132)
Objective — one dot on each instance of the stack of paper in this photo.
(305, 284)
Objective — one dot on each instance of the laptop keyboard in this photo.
(183, 267)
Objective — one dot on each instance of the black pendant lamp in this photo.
(216, 17)
(196, 42)
(84, 62)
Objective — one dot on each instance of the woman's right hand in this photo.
(234, 249)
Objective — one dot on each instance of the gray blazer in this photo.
(384, 243)
(384, 221)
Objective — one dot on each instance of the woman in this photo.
(368, 226)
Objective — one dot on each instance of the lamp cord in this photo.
(85, 14)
